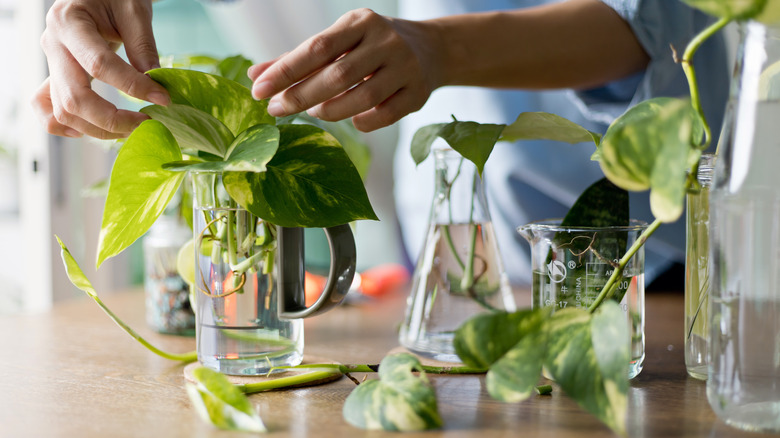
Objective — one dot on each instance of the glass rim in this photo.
(555, 225)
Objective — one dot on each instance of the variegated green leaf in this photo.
(474, 141)
(139, 188)
(228, 101)
(588, 357)
(546, 126)
(310, 182)
(349, 138)
(485, 338)
(398, 401)
(648, 147)
(220, 403)
(192, 128)
(235, 68)
(423, 139)
(513, 377)
(735, 9)
(250, 152)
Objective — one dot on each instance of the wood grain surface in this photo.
(71, 372)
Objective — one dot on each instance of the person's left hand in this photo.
(372, 68)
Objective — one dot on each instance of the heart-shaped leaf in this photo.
(547, 126)
(474, 141)
(399, 400)
(310, 182)
(648, 147)
(423, 139)
(250, 152)
(602, 204)
(139, 188)
(228, 101)
(192, 128)
(588, 357)
(220, 403)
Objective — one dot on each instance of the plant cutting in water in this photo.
(655, 145)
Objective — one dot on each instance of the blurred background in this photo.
(43, 178)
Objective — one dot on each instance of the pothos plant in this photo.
(655, 145)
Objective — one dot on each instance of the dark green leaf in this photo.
(139, 188)
(474, 141)
(603, 204)
(422, 141)
(588, 357)
(349, 138)
(192, 128)
(546, 126)
(235, 68)
(735, 9)
(228, 101)
(220, 403)
(310, 182)
(398, 401)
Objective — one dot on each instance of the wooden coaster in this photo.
(427, 361)
(242, 380)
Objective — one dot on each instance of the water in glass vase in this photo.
(444, 294)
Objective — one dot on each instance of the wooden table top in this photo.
(72, 373)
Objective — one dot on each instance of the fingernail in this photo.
(314, 112)
(158, 98)
(69, 132)
(275, 108)
(262, 90)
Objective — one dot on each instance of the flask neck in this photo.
(460, 193)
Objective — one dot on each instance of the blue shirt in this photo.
(534, 180)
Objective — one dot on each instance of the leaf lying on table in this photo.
(399, 400)
(220, 403)
(587, 355)
(77, 277)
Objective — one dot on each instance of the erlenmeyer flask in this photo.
(459, 273)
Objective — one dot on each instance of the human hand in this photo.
(372, 68)
(79, 42)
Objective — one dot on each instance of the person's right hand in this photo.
(79, 42)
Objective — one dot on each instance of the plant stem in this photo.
(690, 74)
(608, 290)
(184, 357)
(373, 368)
(284, 382)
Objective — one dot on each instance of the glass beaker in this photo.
(571, 265)
(249, 278)
(697, 272)
(459, 273)
(743, 385)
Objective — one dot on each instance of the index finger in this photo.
(95, 56)
(308, 58)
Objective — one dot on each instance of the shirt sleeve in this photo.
(662, 28)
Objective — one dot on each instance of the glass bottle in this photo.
(697, 271)
(743, 385)
(168, 308)
(459, 273)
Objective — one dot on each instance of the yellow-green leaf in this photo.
(139, 188)
(220, 403)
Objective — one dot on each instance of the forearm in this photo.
(575, 44)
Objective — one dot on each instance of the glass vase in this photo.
(459, 272)
(697, 272)
(743, 385)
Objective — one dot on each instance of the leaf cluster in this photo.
(292, 175)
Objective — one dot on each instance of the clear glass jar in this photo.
(697, 272)
(459, 273)
(743, 385)
(168, 308)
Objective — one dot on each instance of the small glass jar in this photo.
(697, 272)
(168, 308)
